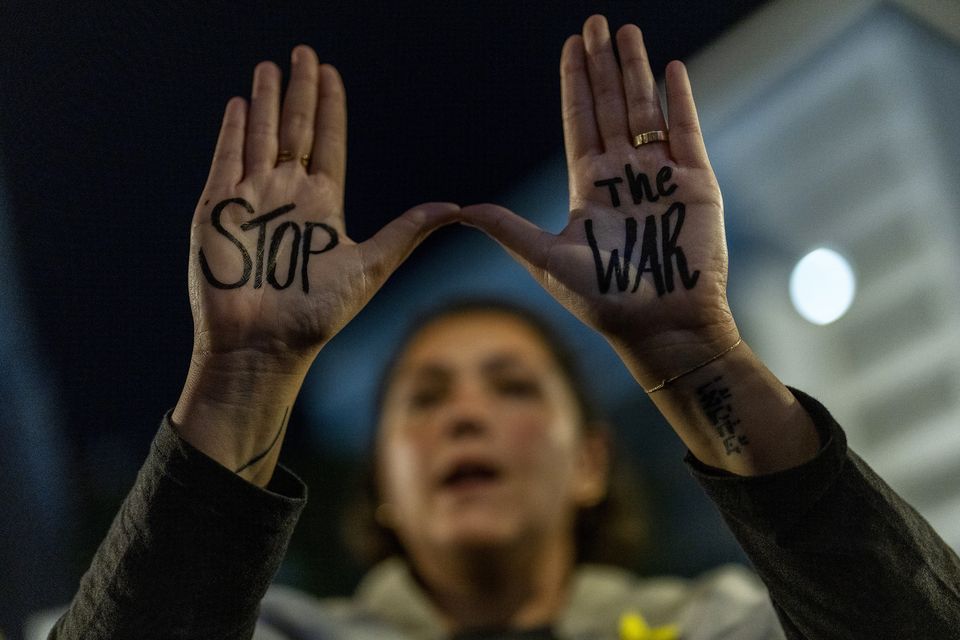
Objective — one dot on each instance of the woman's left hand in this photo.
(643, 258)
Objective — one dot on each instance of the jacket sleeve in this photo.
(842, 555)
(190, 553)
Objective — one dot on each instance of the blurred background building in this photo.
(839, 136)
(829, 125)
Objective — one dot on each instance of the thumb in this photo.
(525, 241)
(390, 246)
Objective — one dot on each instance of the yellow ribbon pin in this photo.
(634, 627)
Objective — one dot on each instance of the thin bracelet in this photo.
(667, 381)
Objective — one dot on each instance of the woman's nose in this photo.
(468, 413)
(463, 427)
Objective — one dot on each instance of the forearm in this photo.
(842, 555)
(732, 413)
(190, 553)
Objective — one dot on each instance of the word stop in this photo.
(301, 247)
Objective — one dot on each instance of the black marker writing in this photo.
(612, 183)
(714, 400)
(261, 222)
(657, 260)
(268, 267)
(247, 263)
(640, 186)
(622, 271)
(275, 248)
(673, 252)
(307, 243)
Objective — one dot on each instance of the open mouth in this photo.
(471, 475)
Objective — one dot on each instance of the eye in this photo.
(425, 397)
(518, 387)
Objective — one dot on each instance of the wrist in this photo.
(657, 361)
(234, 408)
(244, 378)
(733, 414)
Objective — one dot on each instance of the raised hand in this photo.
(643, 257)
(271, 265)
(273, 275)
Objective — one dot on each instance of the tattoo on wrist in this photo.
(660, 252)
(276, 438)
(298, 239)
(714, 399)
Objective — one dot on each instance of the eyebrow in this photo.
(501, 362)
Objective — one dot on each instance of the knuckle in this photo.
(572, 66)
(261, 128)
(297, 120)
(327, 138)
(576, 110)
(227, 156)
(647, 104)
(608, 92)
(233, 125)
(686, 128)
(633, 58)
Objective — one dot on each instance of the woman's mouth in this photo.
(470, 476)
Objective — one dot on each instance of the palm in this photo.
(666, 283)
(643, 253)
(271, 266)
(258, 309)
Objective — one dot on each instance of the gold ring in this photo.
(284, 156)
(305, 160)
(649, 136)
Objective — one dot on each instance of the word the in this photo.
(639, 184)
(260, 224)
(658, 252)
(714, 401)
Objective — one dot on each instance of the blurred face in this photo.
(479, 442)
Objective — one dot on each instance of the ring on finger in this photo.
(305, 160)
(650, 136)
(284, 156)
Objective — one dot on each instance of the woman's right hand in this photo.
(273, 275)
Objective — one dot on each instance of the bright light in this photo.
(822, 286)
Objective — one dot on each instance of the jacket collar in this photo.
(391, 592)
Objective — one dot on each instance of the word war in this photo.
(658, 253)
(300, 239)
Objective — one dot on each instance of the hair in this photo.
(613, 531)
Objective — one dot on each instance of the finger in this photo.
(643, 99)
(330, 136)
(299, 104)
(580, 134)
(607, 85)
(686, 139)
(390, 246)
(523, 239)
(260, 151)
(227, 166)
